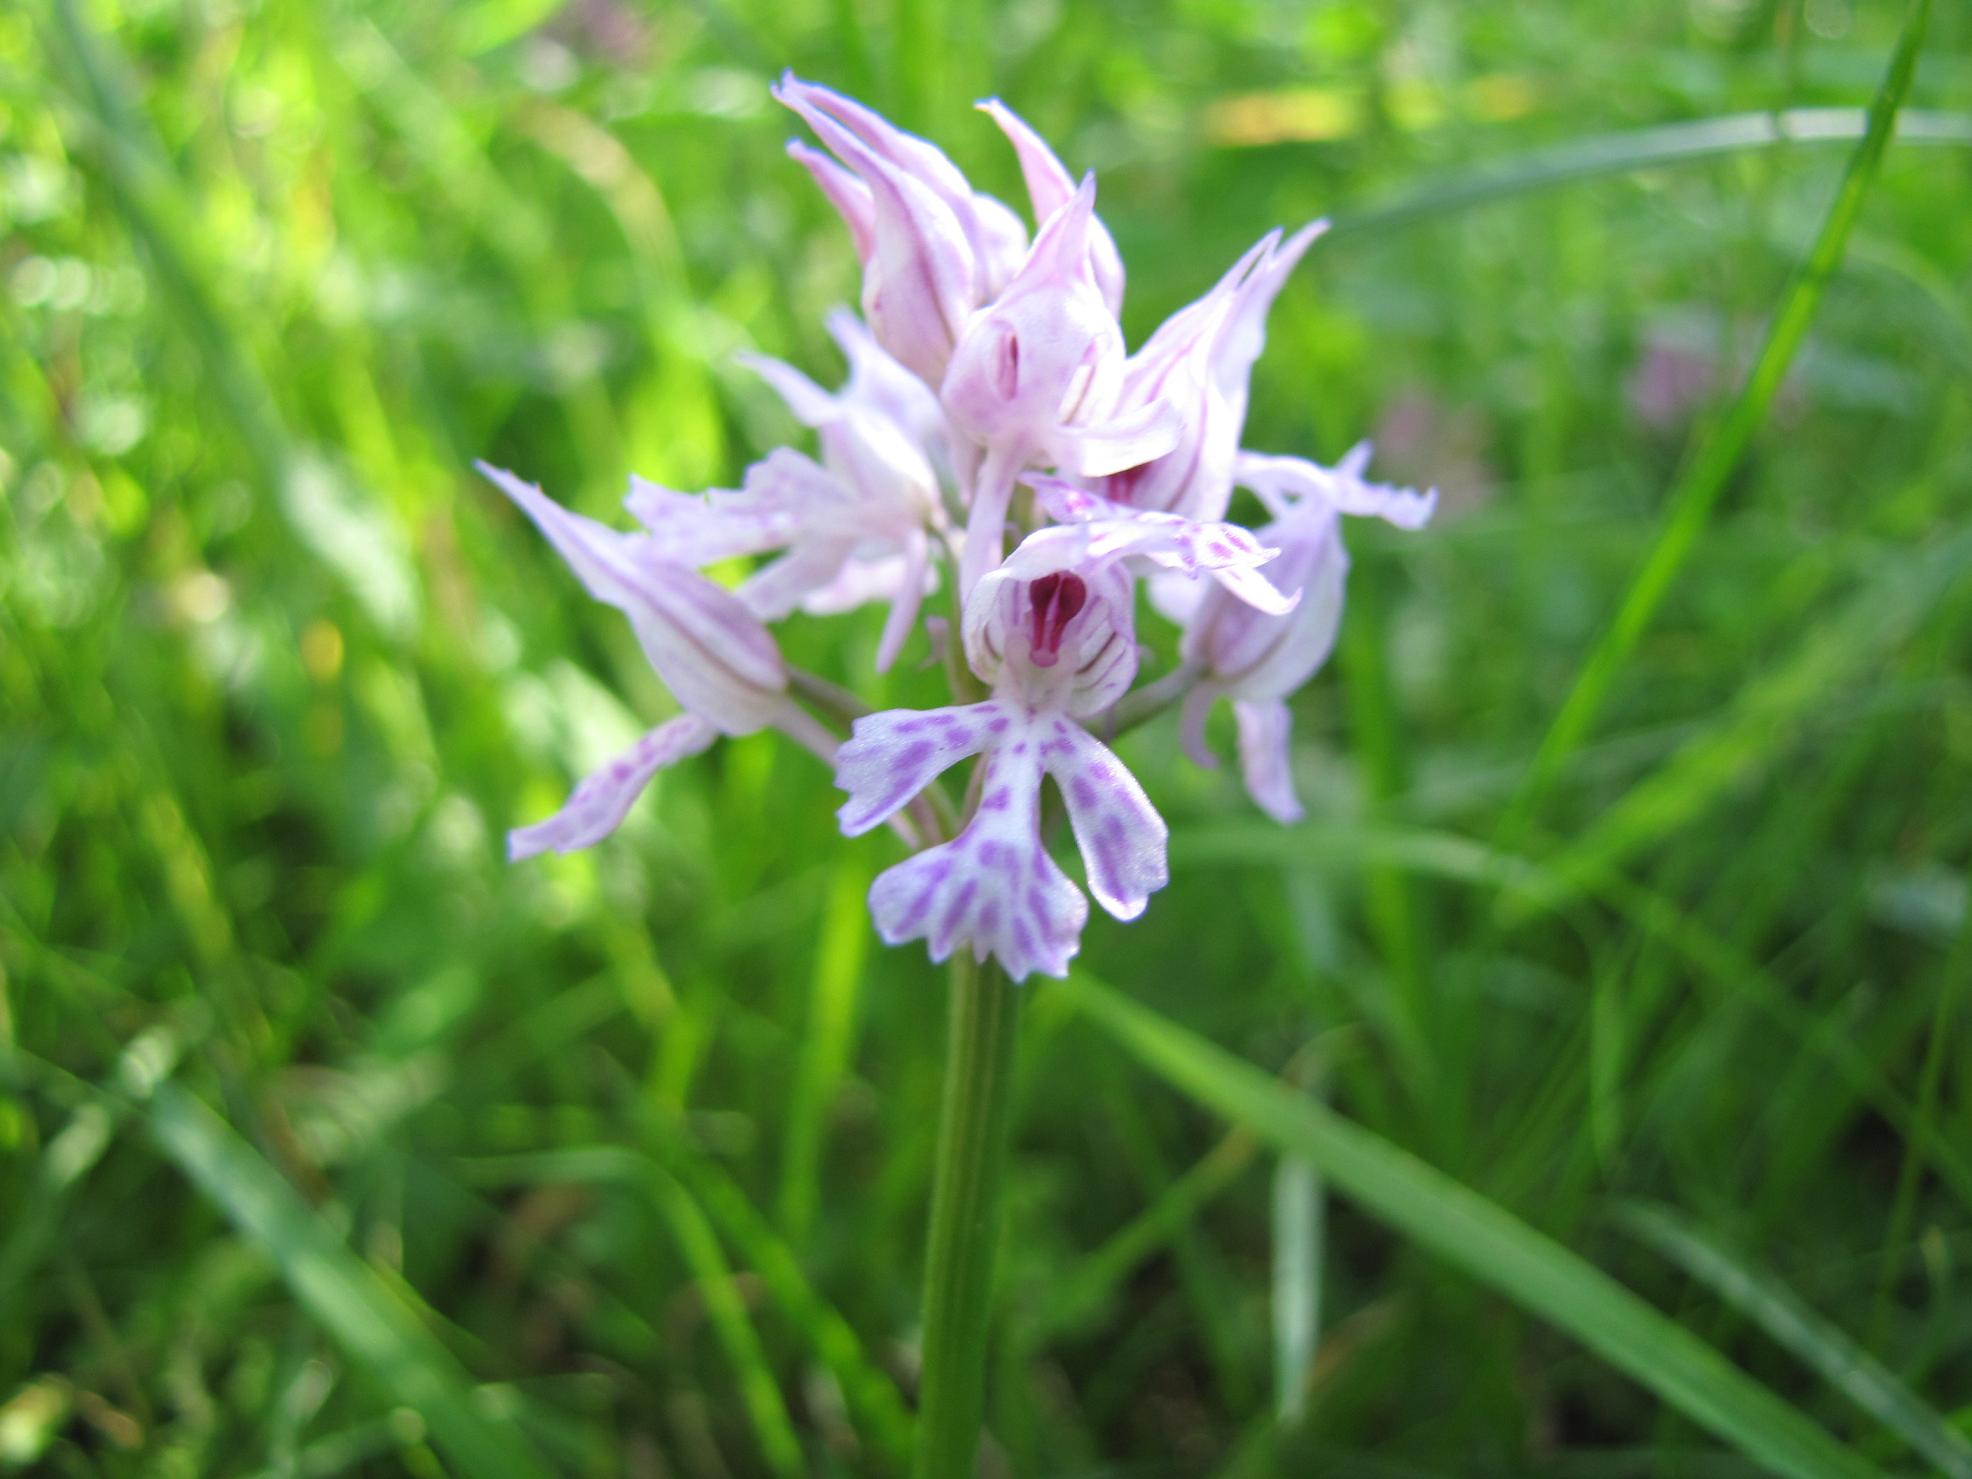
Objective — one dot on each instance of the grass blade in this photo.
(1625, 153)
(1481, 1238)
(381, 1334)
(1689, 507)
(1815, 1341)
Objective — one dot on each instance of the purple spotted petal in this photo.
(892, 756)
(993, 888)
(597, 806)
(1121, 836)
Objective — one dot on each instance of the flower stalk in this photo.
(965, 1216)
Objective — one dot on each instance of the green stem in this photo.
(965, 1217)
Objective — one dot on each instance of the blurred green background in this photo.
(331, 1144)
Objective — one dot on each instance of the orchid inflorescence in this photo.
(994, 432)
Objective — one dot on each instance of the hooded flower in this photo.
(1056, 644)
(1199, 362)
(706, 646)
(1257, 658)
(932, 247)
(1036, 376)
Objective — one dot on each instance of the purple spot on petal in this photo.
(989, 919)
(910, 726)
(997, 799)
(914, 754)
(999, 725)
(989, 853)
(1082, 791)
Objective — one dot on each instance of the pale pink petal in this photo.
(699, 529)
(890, 757)
(597, 806)
(810, 404)
(1049, 187)
(1342, 487)
(921, 278)
(849, 195)
(993, 888)
(1101, 530)
(709, 649)
(909, 598)
(1265, 759)
(1126, 440)
(1121, 836)
(1244, 333)
(784, 585)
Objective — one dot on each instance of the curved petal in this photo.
(993, 887)
(1049, 187)
(700, 529)
(1103, 530)
(709, 649)
(1265, 761)
(1285, 481)
(597, 806)
(1121, 836)
(849, 195)
(810, 404)
(892, 756)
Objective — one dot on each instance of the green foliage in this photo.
(1605, 1117)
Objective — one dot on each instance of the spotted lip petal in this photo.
(1121, 836)
(892, 756)
(993, 888)
(707, 647)
(599, 803)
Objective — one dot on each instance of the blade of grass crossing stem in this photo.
(1297, 1236)
(1080, 1292)
(773, 1430)
(1482, 1238)
(871, 1396)
(1697, 490)
(381, 1336)
(1814, 1341)
(827, 1045)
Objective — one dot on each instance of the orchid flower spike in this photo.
(1257, 658)
(990, 405)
